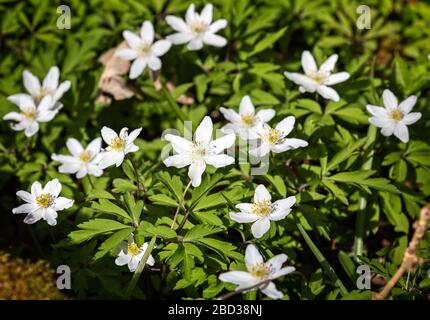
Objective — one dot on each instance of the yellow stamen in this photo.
(261, 207)
(396, 115)
(248, 120)
(117, 144)
(85, 156)
(132, 249)
(199, 27)
(44, 200)
(260, 270)
(272, 135)
(30, 113)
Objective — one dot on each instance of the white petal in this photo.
(50, 216)
(195, 173)
(260, 227)
(271, 291)
(246, 106)
(51, 80)
(31, 129)
(214, 40)
(252, 256)
(241, 278)
(70, 167)
(62, 88)
(306, 83)
(65, 159)
(411, 118)
(243, 217)
(289, 144)
(33, 217)
(94, 146)
(154, 63)
(219, 160)
(245, 207)
(74, 146)
(122, 259)
(390, 100)
(283, 272)
(36, 188)
(220, 144)
(133, 263)
(379, 121)
(160, 47)
(127, 54)
(377, 111)
(132, 39)
(328, 93)
(26, 196)
(180, 38)
(108, 134)
(108, 159)
(147, 32)
(203, 132)
(388, 130)
(195, 44)
(150, 261)
(177, 23)
(217, 25)
(401, 132)
(261, 151)
(178, 161)
(276, 262)
(94, 170)
(206, 14)
(261, 193)
(337, 78)
(25, 208)
(266, 115)
(286, 125)
(282, 208)
(46, 115)
(62, 203)
(407, 105)
(53, 187)
(23, 101)
(13, 116)
(137, 67)
(308, 62)
(190, 14)
(45, 104)
(133, 135)
(31, 83)
(329, 64)
(230, 114)
(119, 158)
(179, 144)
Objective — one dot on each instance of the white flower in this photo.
(320, 79)
(143, 50)
(131, 255)
(42, 203)
(49, 85)
(82, 161)
(30, 116)
(262, 211)
(274, 139)
(199, 152)
(247, 123)
(259, 271)
(394, 118)
(118, 146)
(197, 29)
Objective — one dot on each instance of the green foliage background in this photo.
(342, 196)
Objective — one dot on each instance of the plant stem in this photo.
(136, 173)
(180, 205)
(360, 225)
(36, 241)
(90, 181)
(140, 267)
(328, 269)
(172, 103)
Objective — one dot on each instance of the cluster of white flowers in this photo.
(41, 104)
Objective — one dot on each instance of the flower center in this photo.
(272, 135)
(44, 200)
(30, 113)
(260, 270)
(42, 92)
(318, 76)
(198, 150)
(145, 49)
(117, 144)
(248, 120)
(132, 249)
(261, 208)
(396, 115)
(198, 27)
(86, 156)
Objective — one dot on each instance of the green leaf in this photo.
(345, 153)
(200, 231)
(106, 206)
(267, 42)
(91, 228)
(112, 242)
(162, 199)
